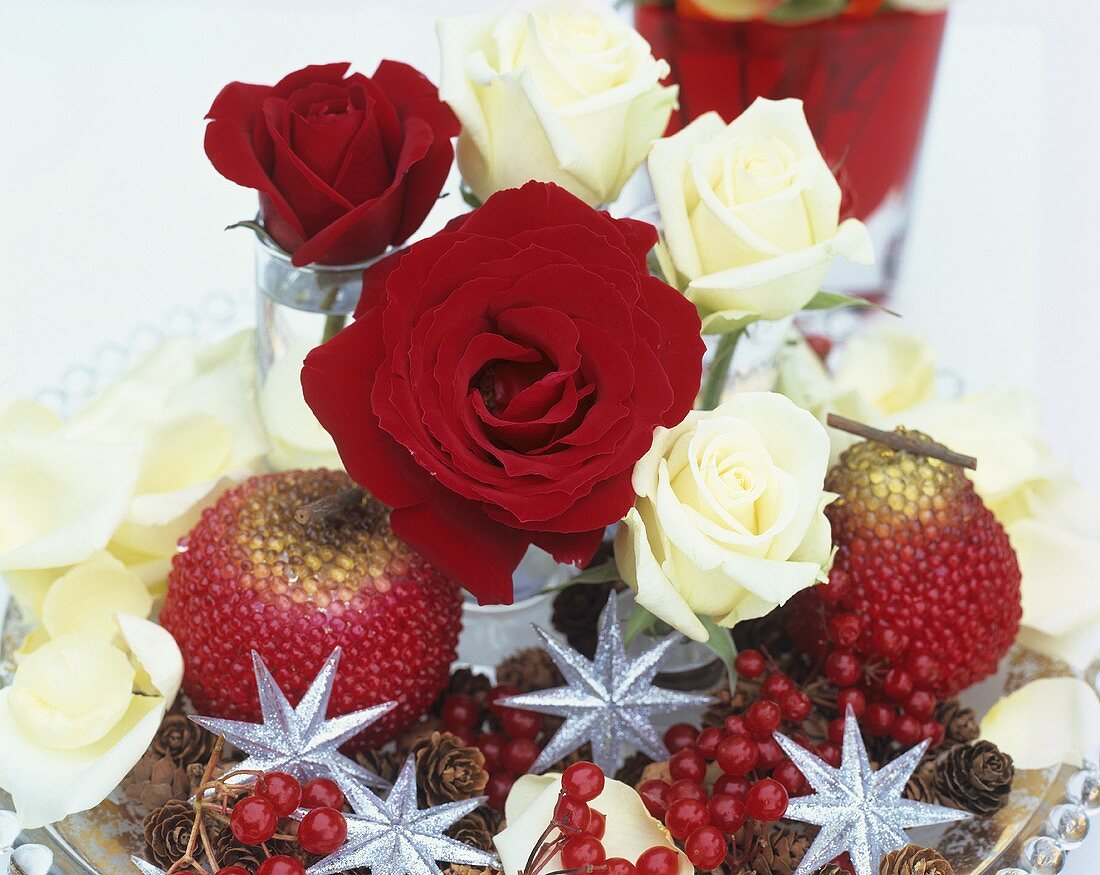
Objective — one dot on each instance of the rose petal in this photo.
(1049, 721)
(86, 599)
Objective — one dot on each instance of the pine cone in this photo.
(407, 739)
(915, 860)
(460, 869)
(780, 853)
(576, 613)
(976, 777)
(656, 772)
(446, 771)
(183, 741)
(833, 869)
(631, 771)
(154, 781)
(167, 831)
(230, 852)
(467, 683)
(530, 669)
(726, 704)
(476, 829)
(384, 763)
(960, 724)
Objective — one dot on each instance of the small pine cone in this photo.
(385, 764)
(460, 869)
(780, 853)
(446, 771)
(915, 860)
(726, 704)
(960, 724)
(155, 781)
(167, 831)
(185, 742)
(476, 829)
(833, 869)
(467, 683)
(976, 777)
(631, 771)
(581, 754)
(411, 737)
(230, 852)
(576, 612)
(530, 669)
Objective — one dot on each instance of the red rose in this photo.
(503, 377)
(344, 166)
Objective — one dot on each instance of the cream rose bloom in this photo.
(558, 91)
(729, 521)
(751, 215)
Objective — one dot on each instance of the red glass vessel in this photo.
(866, 83)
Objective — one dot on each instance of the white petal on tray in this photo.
(1048, 721)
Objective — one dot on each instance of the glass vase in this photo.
(866, 84)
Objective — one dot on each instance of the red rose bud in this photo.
(345, 166)
(502, 378)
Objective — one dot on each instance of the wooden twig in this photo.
(330, 507)
(903, 442)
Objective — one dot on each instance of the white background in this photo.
(111, 215)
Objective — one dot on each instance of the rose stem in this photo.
(715, 380)
(904, 442)
(330, 507)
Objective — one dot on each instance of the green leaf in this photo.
(807, 10)
(468, 196)
(603, 573)
(640, 621)
(258, 229)
(833, 300)
(721, 642)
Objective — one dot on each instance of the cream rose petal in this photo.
(1021, 724)
(47, 784)
(630, 828)
(297, 438)
(1059, 571)
(86, 599)
(19, 416)
(894, 367)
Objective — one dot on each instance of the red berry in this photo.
(708, 742)
(886, 642)
(763, 718)
(658, 861)
(322, 793)
(830, 753)
(253, 820)
(853, 698)
(906, 730)
(460, 712)
(924, 669)
(749, 664)
(280, 865)
(844, 629)
(776, 685)
(879, 719)
(491, 745)
(497, 789)
(687, 764)
(735, 725)
(686, 789)
(732, 785)
(897, 684)
(727, 812)
(520, 724)
(737, 755)
(619, 866)
(933, 731)
(766, 800)
(571, 815)
(788, 774)
(355, 585)
(835, 730)
(771, 754)
(680, 736)
(500, 691)
(322, 831)
(581, 851)
(843, 668)
(654, 795)
(706, 848)
(280, 789)
(597, 824)
(233, 870)
(684, 816)
(921, 704)
(519, 755)
(583, 781)
(796, 705)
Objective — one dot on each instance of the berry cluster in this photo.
(577, 830)
(511, 739)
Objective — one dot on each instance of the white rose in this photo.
(926, 6)
(729, 521)
(750, 213)
(557, 91)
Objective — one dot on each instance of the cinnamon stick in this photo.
(903, 442)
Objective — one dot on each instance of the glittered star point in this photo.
(392, 836)
(608, 701)
(859, 810)
(300, 741)
(146, 868)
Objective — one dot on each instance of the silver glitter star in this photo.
(394, 837)
(300, 740)
(609, 701)
(146, 868)
(859, 810)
